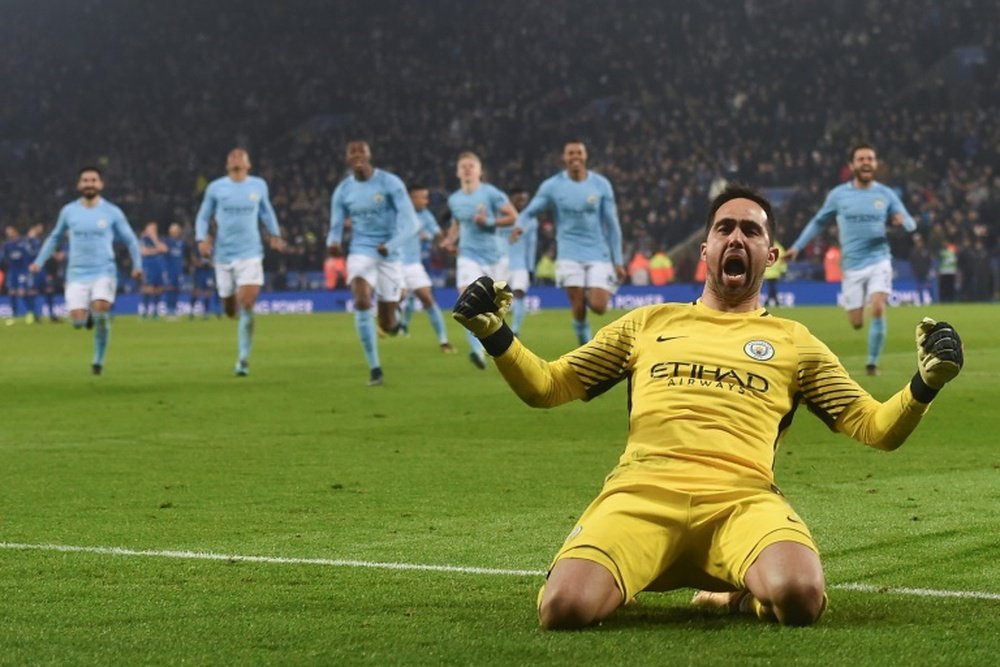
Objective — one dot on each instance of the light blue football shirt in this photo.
(380, 211)
(411, 251)
(861, 215)
(475, 242)
(522, 251)
(586, 217)
(237, 206)
(92, 232)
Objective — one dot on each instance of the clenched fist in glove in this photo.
(481, 307)
(939, 352)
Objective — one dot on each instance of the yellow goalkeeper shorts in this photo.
(657, 539)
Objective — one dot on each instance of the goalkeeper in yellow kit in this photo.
(712, 387)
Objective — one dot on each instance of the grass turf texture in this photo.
(442, 465)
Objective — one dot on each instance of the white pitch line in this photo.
(337, 562)
(330, 562)
(920, 592)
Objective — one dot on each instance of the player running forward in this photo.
(477, 210)
(861, 208)
(92, 225)
(521, 259)
(237, 201)
(712, 387)
(589, 264)
(415, 278)
(382, 221)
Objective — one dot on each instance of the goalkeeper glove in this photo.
(939, 353)
(481, 307)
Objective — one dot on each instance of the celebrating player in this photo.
(521, 259)
(92, 224)
(415, 278)
(477, 210)
(382, 221)
(861, 208)
(589, 263)
(237, 201)
(712, 386)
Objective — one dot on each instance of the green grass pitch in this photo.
(441, 466)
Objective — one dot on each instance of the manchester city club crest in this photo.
(378, 198)
(760, 350)
(879, 204)
(254, 196)
(592, 199)
(102, 223)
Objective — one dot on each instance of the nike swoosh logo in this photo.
(664, 339)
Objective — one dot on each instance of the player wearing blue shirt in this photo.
(237, 202)
(382, 221)
(173, 269)
(16, 256)
(415, 278)
(203, 286)
(589, 262)
(521, 254)
(477, 210)
(862, 208)
(92, 224)
(153, 268)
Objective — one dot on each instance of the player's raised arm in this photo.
(886, 425)
(542, 201)
(583, 373)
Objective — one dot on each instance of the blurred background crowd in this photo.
(673, 99)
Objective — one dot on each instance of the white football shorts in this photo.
(80, 294)
(415, 276)
(571, 273)
(467, 270)
(237, 273)
(858, 285)
(519, 280)
(385, 276)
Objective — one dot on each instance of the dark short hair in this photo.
(517, 190)
(741, 191)
(860, 146)
(413, 187)
(90, 167)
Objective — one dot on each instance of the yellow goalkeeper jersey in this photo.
(710, 394)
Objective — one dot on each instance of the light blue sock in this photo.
(406, 312)
(365, 325)
(876, 339)
(518, 310)
(102, 335)
(437, 321)
(582, 329)
(475, 345)
(245, 333)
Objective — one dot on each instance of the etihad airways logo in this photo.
(688, 373)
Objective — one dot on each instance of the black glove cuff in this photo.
(920, 390)
(498, 341)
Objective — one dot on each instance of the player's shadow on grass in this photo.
(656, 615)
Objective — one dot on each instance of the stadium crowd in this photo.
(672, 98)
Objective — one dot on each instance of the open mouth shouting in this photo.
(735, 269)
